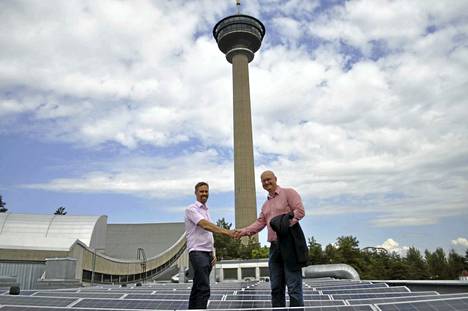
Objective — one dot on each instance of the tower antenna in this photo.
(238, 6)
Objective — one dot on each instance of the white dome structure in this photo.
(51, 232)
(104, 253)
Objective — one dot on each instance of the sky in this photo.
(119, 108)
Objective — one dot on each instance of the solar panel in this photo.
(381, 295)
(30, 308)
(334, 283)
(132, 304)
(168, 296)
(230, 304)
(268, 297)
(268, 292)
(306, 308)
(352, 286)
(79, 295)
(118, 290)
(365, 290)
(452, 304)
(333, 295)
(318, 308)
(406, 298)
(35, 301)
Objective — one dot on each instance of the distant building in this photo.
(104, 253)
(242, 270)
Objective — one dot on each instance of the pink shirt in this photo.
(284, 200)
(198, 239)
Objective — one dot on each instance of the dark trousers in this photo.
(281, 276)
(201, 264)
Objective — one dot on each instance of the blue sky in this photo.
(120, 107)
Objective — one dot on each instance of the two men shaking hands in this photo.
(200, 243)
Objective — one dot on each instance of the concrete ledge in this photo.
(57, 283)
(7, 281)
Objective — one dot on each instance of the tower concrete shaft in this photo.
(239, 37)
(244, 174)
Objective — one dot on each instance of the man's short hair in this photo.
(201, 183)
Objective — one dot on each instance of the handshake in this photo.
(235, 234)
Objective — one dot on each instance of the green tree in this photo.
(260, 252)
(226, 247)
(60, 211)
(330, 254)
(348, 252)
(418, 269)
(456, 265)
(246, 250)
(3, 209)
(465, 267)
(316, 255)
(398, 269)
(375, 265)
(437, 263)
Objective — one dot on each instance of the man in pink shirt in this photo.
(200, 244)
(280, 201)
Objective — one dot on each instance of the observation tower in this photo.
(239, 37)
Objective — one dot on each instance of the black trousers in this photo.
(281, 276)
(201, 264)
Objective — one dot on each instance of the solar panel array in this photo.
(319, 294)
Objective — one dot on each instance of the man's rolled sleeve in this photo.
(295, 201)
(254, 228)
(193, 215)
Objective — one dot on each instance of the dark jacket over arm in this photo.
(291, 241)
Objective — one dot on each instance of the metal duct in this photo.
(339, 271)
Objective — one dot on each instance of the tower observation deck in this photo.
(239, 34)
(239, 37)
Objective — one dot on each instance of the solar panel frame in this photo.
(168, 296)
(362, 290)
(350, 295)
(266, 297)
(381, 295)
(34, 308)
(169, 304)
(80, 295)
(317, 308)
(253, 304)
(406, 298)
(453, 304)
(356, 286)
(35, 301)
(312, 308)
(268, 292)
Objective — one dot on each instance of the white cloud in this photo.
(396, 23)
(393, 246)
(388, 133)
(289, 29)
(463, 242)
(158, 177)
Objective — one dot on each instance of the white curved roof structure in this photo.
(51, 232)
(123, 240)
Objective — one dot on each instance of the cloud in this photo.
(463, 242)
(153, 177)
(112, 77)
(365, 112)
(395, 24)
(393, 246)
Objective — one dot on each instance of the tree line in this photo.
(370, 263)
(3, 209)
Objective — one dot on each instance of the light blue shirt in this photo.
(198, 239)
